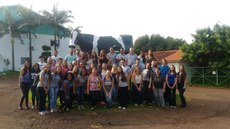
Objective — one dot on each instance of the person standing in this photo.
(159, 85)
(41, 62)
(68, 86)
(34, 75)
(181, 85)
(93, 89)
(24, 82)
(108, 85)
(71, 57)
(171, 82)
(147, 78)
(131, 57)
(137, 79)
(112, 57)
(43, 89)
(122, 88)
(102, 59)
(121, 56)
(54, 87)
(55, 56)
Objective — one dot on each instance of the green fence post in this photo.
(217, 78)
(203, 75)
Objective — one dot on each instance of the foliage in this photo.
(157, 42)
(210, 48)
(46, 52)
(46, 48)
(56, 18)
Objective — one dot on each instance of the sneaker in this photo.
(174, 107)
(124, 108)
(141, 105)
(119, 107)
(52, 110)
(67, 109)
(19, 107)
(79, 107)
(55, 110)
(46, 112)
(136, 105)
(27, 107)
(82, 107)
(33, 107)
(42, 113)
(92, 108)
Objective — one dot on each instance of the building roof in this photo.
(170, 55)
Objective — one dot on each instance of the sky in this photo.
(175, 18)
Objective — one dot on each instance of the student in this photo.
(149, 57)
(54, 87)
(43, 88)
(102, 59)
(41, 62)
(164, 68)
(131, 57)
(34, 74)
(68, 85)
(112, 57)
(93, 89)
(114, 73)
(122, 55)
(147, 77)
(70, 57)
(137, 79)
(108, 85)
(181, 85)
(159, 85)
(55, 56)
(80, 87)
(122, 88)
(24, 82)
(171, 82)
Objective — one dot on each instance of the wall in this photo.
(22, 50)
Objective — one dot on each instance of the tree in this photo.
(30, 21)
(56, 18)
(11, 26)
(157, 43)
(210, 47)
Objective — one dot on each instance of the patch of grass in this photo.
(9, 74)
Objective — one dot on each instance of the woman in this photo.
(122, 88)
(171, 82)
(68, 86)
(64, 70)
(102, 59)
(43, 88)
(137, 79)
(80, 87)
(34, 74)
(159, 85)
(24, 82)
(108, 85)
(94, 59)
(93, 89)
(102, 75)
(147, 77)
(56, 78)
(181, 85)
(114, 73)
(89, 61)
(149, 57)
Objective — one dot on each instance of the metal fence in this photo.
(208, 76)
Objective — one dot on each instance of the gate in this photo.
(208, 76)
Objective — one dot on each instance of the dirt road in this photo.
(209, 108)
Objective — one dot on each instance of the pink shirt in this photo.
(93, 83)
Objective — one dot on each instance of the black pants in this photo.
(42, 99)
(181, 92)
(61, 94)
(25, 90)
(122, 95)
(148, 94)
(94, 96)
(171, 94)
(34, 95)
(69, 100)
(138, 95)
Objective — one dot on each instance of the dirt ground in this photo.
(208, 108)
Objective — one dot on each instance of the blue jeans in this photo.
(53, 97)
(80, 92)
(159, 97)
(109, 99)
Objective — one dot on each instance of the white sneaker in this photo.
(52, 110)
(124, 108)
(55, 109)
(42, 113)
(119, 107)
(33, 107)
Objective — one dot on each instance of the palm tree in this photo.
(30, 21)
(11, 26)
(57, 18)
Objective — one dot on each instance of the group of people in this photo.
(107, 78)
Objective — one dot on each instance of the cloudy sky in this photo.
(176, 18)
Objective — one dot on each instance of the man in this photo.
(55, 56)
(122, 55)
(131, 57)
(41, 62)
(137, 64)
(125, 68)
(71, 57)
(111, 56)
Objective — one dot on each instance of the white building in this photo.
(22, 50)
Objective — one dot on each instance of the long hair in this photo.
(38, 70)
(174, 71)
(25, 69)
(122, 74)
